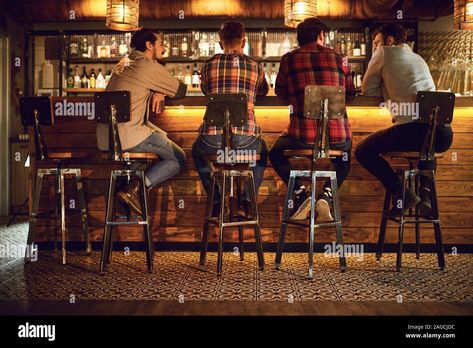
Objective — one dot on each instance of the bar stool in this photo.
(227, 111)
(321, 103)
(436, 109)
(113, 108)
(36, 112)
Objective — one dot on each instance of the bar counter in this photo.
(177, 207)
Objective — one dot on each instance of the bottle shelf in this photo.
(83, 90)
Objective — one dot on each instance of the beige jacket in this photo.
(141, 76)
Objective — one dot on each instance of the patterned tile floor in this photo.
(177, 275)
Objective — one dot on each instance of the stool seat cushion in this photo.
(236, 159)
(412, 155)
(308, 153)
(67, 154)
(139, 155)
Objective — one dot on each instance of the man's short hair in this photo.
(141, 36)
(231, 32)
(309, 30)
(398, 33)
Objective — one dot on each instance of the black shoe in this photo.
(425, 206)
(131, 198)
(410, 201)
(245, 210)
(302, 205)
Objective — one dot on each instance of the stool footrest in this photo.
(304, 224)
(118, 223)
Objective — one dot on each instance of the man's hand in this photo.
(157, 103)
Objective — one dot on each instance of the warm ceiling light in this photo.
(463, 15)
(295, 11)
(123, 14)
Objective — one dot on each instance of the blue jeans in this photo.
(171, 157)
(211, 144)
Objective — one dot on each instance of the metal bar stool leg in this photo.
(240, 228)
(401, 223)
(288, 204)
(338, 219)
(382, 228)
(63, 216)
(108, 227)
(33, 217)
(256, 227)
(147, 231)
(312, 227)
(438, 231)
(83, 209)
(208, 213)
(220, 225)
(57, 207)
(417, 218)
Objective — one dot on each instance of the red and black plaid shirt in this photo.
(313, 64)
(233, 72)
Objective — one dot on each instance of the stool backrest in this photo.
(113, 108)
(435, 109)
(226, 111)
(323, 103)
(36, 112)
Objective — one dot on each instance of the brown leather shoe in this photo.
(130, 197)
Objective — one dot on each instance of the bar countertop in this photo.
(265, 101)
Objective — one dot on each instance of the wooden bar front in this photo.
(177, 207)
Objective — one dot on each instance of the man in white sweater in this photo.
(397, 73)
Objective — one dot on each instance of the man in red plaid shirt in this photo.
(312, 64)
(232, 72)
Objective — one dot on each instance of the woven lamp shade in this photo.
(123, 14)
(463, 15)
(295, 11)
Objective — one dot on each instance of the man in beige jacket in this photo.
(148, 82)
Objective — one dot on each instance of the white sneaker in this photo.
(322, 208)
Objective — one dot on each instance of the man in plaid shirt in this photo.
(312, 64)
(232, 72)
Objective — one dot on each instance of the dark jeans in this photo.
(211, 144)
(282, 165)
(404, 137)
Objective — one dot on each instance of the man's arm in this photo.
(373, 79)
(262, 86)
(281, 79)
(157, 78)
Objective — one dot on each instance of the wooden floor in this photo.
(245, 308)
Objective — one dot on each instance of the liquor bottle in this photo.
(195, 77)
(338, 46)
(174, 48)
(100, 81)
(363, 46)
(286, 45)
(77, 78)
(266, 76)
(103, 51)
(343, 46)
(122, 49)
(113, 48)
(184, 47)
(83, 79)
(107, 77)
(73, 49)
(180, 75)
(353, 78)
(349, 46)
(357, 49)
(92, 79)
(85, 48)
(273, 76)
(70, 79)
(246, 48)
(212, 45)
(188, 77)
(204, 46)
